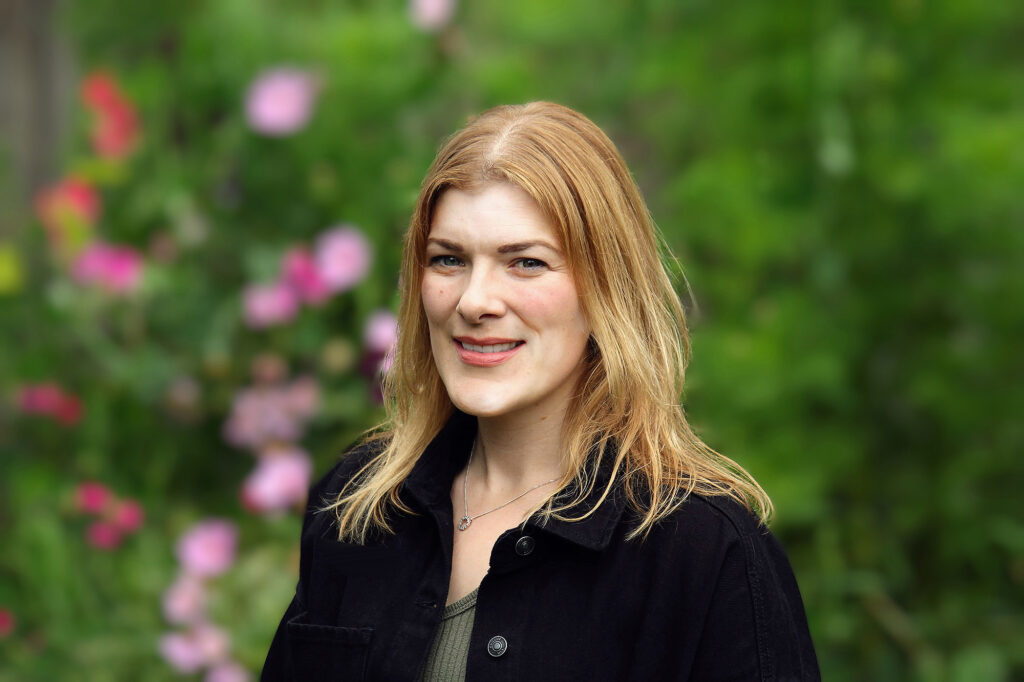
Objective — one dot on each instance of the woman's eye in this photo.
(445, 261)
(530, 264)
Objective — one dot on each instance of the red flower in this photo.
(6, 622)
(115, 129)
(100, 91)
(103, 535)
(68, 211)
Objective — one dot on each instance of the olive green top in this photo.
(446, 661)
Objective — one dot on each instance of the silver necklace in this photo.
(466, 518)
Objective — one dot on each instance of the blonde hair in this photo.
(625, 413)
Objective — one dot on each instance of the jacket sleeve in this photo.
(756, 628)
(278, 665)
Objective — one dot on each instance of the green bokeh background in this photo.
(840, 181)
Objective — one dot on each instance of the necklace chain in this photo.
(466, 518)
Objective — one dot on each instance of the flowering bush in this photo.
(197, 320)
(205, 551)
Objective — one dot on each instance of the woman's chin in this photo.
(482, 405)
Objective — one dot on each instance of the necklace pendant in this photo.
(464, 522)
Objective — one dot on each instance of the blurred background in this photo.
(201, 205)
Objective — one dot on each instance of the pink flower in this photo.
(228, 671)
(214, 643)
(380, 332)
(258, 416)
(431, 15)
(116, 269)
(280, 480)
(128, 516)
(115, 129)
(267, 414)
(280, 101)
(50, 400)
(343, 257)
(7, 622)
(302, 397)
(68, 211)
(183, 652)
(268, 305)
(185, 600)
(92, 497)
(299, 271)
(103, 535)
(208, 548)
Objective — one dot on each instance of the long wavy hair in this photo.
(625, 413)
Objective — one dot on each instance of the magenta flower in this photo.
(115, 269)
(208, 548)
(268, 305)
(50, 400)
(92, 497)
(103, 535)
(185, 600)
(431, 15)
(128, 516)
(300, 272)
(380, 331)
(229, 671)
(343, 257)
(280, 101)
(7, 622)
(280, 480)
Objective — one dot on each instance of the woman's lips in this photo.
(486, 352)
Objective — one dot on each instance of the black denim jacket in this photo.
(708, 595)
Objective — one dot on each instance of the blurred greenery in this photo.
(839, 180)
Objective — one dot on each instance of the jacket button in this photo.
(497, 646)
(525, 545)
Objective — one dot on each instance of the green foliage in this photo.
(841, 184)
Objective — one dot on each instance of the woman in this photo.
(537, 507)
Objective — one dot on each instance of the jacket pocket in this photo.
(326, 652)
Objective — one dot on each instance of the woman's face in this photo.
(506, 327)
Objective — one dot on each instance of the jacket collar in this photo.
(430, 481)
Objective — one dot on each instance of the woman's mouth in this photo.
(486, 352)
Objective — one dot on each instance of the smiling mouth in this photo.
(489, 348)
(489, 352)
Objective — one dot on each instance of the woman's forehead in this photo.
(493, 215)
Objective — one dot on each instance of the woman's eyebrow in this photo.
(445, 244)
(516, 247)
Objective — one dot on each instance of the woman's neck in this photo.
(514, 453)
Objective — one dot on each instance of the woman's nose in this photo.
(482, 297)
